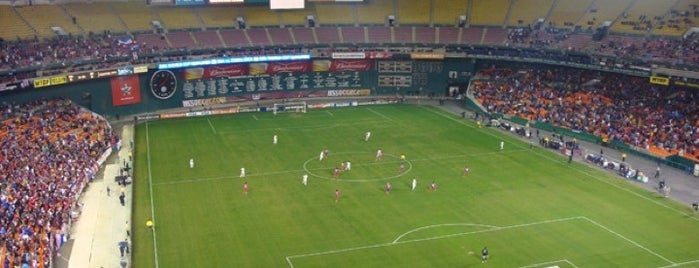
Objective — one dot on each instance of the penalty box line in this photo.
(492, 229)
(550, 262)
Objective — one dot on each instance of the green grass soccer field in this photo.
(528, 206)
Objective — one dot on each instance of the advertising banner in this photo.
(126, 90)
(215, 72)
(280, 67)
(341, 65)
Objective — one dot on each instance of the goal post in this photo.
(290, 107)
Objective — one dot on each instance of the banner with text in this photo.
(126, 90)
(215, 72)
(280, 67)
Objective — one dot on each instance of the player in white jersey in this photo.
(414, 184)
(367, 136)
(348, 166)
(191, 163)
(502, 145)
(242, 172)
(379, 154)
(274, 139)
(304, 179)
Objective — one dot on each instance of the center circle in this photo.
(362, 163)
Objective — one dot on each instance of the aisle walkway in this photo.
(103, 222)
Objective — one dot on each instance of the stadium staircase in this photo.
(291, 33)
(509, 13)
(339, 32)
(468, 16)
(315, 36)
(247, 37)
(122, 23)
(548, 14)
(580, 21)
(220, 38)
(485, 32)
(194, 38)
(14, 10)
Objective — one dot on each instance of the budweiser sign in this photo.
(350, 65)
(288, 67)
(213, 72)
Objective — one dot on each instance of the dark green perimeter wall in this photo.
(380, 77)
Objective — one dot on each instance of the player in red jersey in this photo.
(245, 188)
(337, 195)
(336, 173)
(388, 188)
(433, 186)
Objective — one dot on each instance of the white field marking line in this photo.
(194, 180)
(331, 114)
(380, 114)
(680, 263)
(550, 262)
(150, 189)
(683, 213)
(288, 258)
(442, 225)
(628, 240)
(211, 125)
(253, 116)
(306, 127)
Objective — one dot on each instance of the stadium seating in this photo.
(216, 17)
(43, 17)
(12, 25)
(260, 16)
(234, 37)
(490, 13)
(95, 17)
(207, 39)
(353, 35)
(601, 11)
(526, 12)
(567, 13)
(172, 17)
(683, 15)
(328, 35)
(304, 35)
(425, 35)
(494, 36)
(280, 36)
(379, 34)
(472, 35)
(403, 35)
(445, 12)
(448, 35)
(643, 16)
(335, 14)
(152, 41)
(136, 17)
(258, 36)
(294, 17)
(412, 12)
(180, 39)
(375, 12)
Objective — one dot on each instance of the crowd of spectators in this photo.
(50, 151)
(615, 107)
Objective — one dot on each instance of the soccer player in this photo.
(433, 186)
(402, 157)
(367, 136)
(337, 195)
(242, 172)
(343, 166)
(245, 188)
(414, 184)
(348, 166)
(191, 163)
(466, 171)
(336, 173)
(401, 168)
(502, 145)
(322, 156)
(484, 254)
(304, 179)
(274, 139)
(379, 155)
(388, 188)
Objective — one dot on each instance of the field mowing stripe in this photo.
(194, 180)
(331, 114)
(150, 189)
(550, 262)
(288, 258)
(683, 213)
(211, 125)
(628, 240)
(380, 114)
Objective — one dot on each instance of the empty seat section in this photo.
(424, 35)
(43, 17)
(180, 39)
(495, 36)
(327, 35)
(260, 16)
(258, 36)
(375, 12)
(603, 10)
(234, 38)
(354, 35)
(527, 12)
(280, 36)
(448, 35)
(566, 13)
(445, 12)
(472, 35)
(294, 17)
(403, 34)
(95, 16)
(491, 12)
(218, 17)
(136, 16)
(379, 34)
(413, 12)
(178, 17)
(643, 16)
(207, 39)
(151, 40)
(303, 35)
(335, 14)
(12, 25)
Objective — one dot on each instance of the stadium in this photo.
(349, 133)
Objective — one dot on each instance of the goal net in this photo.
(292, 107)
